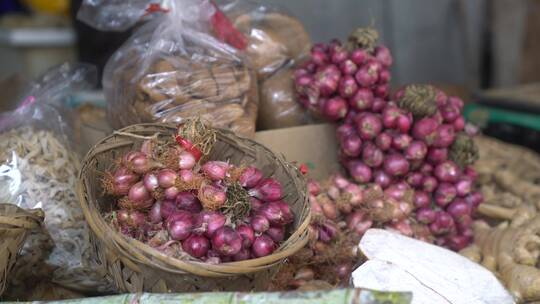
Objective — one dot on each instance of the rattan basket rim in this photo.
(139, 252)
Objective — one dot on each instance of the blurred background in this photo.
(483, 50)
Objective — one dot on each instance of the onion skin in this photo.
(263, 246)
(359, 171)
(150, 181)
(458, 209)
(362, 99)
(276, 213)
(417, 150)
(267, 190)
(426, 169)
(382, 179)
(396, 165)
(404, 123)
(445, 136)
(384, 56)
(131, 218)
(355, 193)
(208, 222)
(277, 233)
(339, 181)
(447, 171)
(215, 170)
(166, 178)
(188, 202)
(359, 56)
(443, 223)
(138, 193)
(329, 210)
(259, 224)
(444, 194)
(352, 145)
(250, 177)
(450, 113)
(243, 254)
(171, 193)
(429, 183)
(390, 115)
(155, 213)
(348, 67)
(426, 130)
(335, 108)
(347, 86)
(464, 186)
(474, 199)
(437, 155)
(122, 181)
(401, 141)
(372, 156)
(327, 232)
(247, 234)
(378, 105)
(414, 179)
(421, 199)
(227, 242)
(180, 225)
(211, 197)
(186, 176)
(256, 203)
(368, 126)
(426, 215)
(196, 245)
(383, 141)
(167, 208)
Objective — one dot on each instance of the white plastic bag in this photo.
(38, 169)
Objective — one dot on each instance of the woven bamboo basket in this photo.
(134, 266)
(15, 223)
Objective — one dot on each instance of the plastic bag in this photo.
(279, 107)
(38, 169)
(274, 37)
(174, 68)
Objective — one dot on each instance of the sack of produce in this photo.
(174, 67)
(276, 42)
(279, 106)
(15, 223)
(274, 37)
(38, 169)
(191, 209)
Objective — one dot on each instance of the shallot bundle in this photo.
(342, 211)
(213, 211)
(340, 79)
(418, 137)
(418, 140)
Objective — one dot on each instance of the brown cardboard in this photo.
(315, 145)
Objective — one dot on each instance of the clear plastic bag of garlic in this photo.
(38, 169)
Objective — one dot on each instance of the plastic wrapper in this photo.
(174, 68)
(38, 169)
(279, 107)
(274, 36)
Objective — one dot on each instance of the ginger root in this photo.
(510, 251)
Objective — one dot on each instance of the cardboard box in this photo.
(314, 145)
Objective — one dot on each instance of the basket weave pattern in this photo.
(134, 266)
(15, 223)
